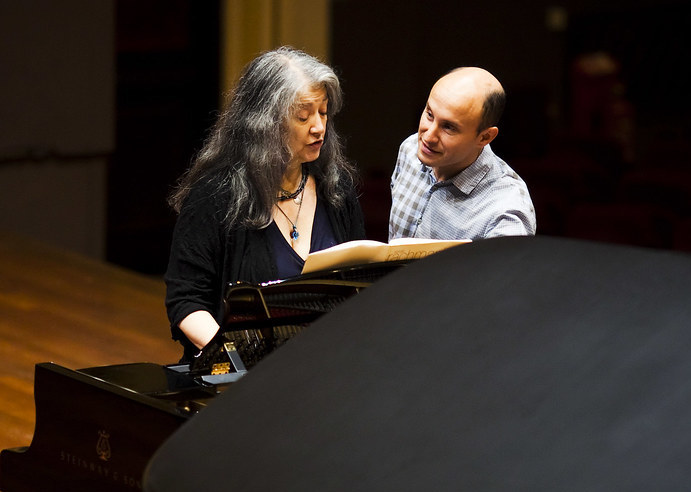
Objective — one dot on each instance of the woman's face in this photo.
(307, 126)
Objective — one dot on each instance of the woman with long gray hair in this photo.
(270, 185)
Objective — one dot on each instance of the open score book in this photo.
(367, 251)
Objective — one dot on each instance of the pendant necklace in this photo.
(294, 234)
(296, 196)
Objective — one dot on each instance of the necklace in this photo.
(286, 195)
(294, 234)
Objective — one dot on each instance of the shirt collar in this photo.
(470, 177)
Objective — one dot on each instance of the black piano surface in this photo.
(510, 364)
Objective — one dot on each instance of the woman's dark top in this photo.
(288, 262)
(205, 257)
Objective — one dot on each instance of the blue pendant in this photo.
(294, 235)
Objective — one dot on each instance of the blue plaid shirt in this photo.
(487, 199)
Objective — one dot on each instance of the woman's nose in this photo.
(318, 124)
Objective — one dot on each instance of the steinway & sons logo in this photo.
(103, 446)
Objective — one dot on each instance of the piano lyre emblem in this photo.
(103, 446)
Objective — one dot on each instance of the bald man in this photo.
(448, 184)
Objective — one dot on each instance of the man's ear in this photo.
(487, 135)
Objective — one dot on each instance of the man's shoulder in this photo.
(407, 152)
(410, 142)
(498, 167)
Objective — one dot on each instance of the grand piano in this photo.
(509, 364)
(97, 427)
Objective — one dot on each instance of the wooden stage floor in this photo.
(56, 306)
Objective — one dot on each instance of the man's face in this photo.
(448, 139)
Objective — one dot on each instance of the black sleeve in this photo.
(194, 275)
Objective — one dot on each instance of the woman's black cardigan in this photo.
(205, 257)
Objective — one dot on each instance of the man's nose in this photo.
(430, 131)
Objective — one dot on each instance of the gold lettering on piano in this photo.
(91, 466)
(221, 368)
(103, 446)
(103, 471)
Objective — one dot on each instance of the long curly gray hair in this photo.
(247, 152)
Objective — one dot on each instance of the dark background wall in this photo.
(586, 141)
(57, 108)
(596, 120)
(167, 94)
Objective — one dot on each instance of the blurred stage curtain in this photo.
(249, 27)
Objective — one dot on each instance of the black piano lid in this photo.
(508, 364)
